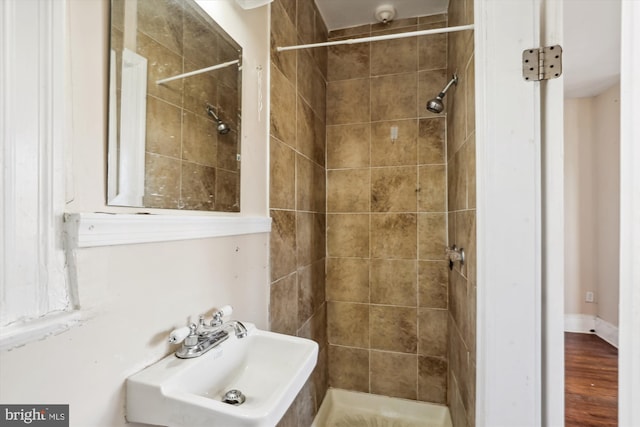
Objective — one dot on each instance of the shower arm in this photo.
(212, 111)
(454, 80)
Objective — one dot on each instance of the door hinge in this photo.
(542, 63)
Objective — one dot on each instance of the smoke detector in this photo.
(385, 13)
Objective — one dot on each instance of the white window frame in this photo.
(34, 288)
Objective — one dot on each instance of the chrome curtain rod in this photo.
(378, 38)
(196, 72)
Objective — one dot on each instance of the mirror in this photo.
(174, 108)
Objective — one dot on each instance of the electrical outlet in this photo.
(589, 297)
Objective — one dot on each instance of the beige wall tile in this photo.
(348, 102)
(396, 24)
(348, 190)
(282, 243)
(432, 379)
(394, 374)
(349, 62)
(393, 97)
(432, 196)
(349, 368)
(163, 22)
(164, 128)
(162, 181)
(282, 174)
(348, 324)
(433, 284)
(432, 49)
(351, 31)
(320, 374)
(311, 133)
(348, 235)
(394, 56)
(469, 155)
(427, 19)
(311, 290)
(310, 185)
(465, 238)
(161, 63)
(198, 187)
(283, 108)
(402, 152)
(200, 41)
(311, 84)
(310, 237)
(348, 146)
(283, 33)
(393, 236)
(305, 183)
(315, 328)
(431, 140)
(432, 237)
(199, 91)
(348, 279)
(432, 339)
(394, 189)
(284, 295)
(306, 21)
(394, 328)
(228, 151)
(470, 96)
(200, 140)
(227, 195)
(393, 282)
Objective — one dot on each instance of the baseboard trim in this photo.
(580, 323)
(607, 331)
(587, 324)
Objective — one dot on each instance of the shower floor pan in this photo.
(342, 408)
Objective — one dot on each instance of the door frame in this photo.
(518, 320)
(629, 318)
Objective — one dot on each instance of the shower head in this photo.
(435, 105)
(222, 127)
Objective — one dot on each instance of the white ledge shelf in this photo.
(86, 230)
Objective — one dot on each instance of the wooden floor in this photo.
(591, 382)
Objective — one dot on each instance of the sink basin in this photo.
(267, 367)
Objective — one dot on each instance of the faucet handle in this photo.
(225, 311)
(179, 335)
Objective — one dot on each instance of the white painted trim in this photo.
(579, 323)
(553, 241)
(33, 275)
(130, 167)
(21, 333)
(629, 323)
(508, 217)
(86, 230)
(606, 331)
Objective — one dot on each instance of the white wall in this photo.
(592, 195)
(580, 238)
(607, 171)
(132, 296)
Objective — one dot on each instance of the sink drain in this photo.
(234, 397)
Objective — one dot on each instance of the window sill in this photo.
(85, 230)
(21, 333)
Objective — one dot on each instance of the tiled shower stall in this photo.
(361, 220)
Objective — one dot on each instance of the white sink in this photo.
(268, 368)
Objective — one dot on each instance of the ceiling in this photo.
(350, 13)
(591, 48)
(591, 35)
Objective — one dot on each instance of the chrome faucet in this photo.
(198, 339)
